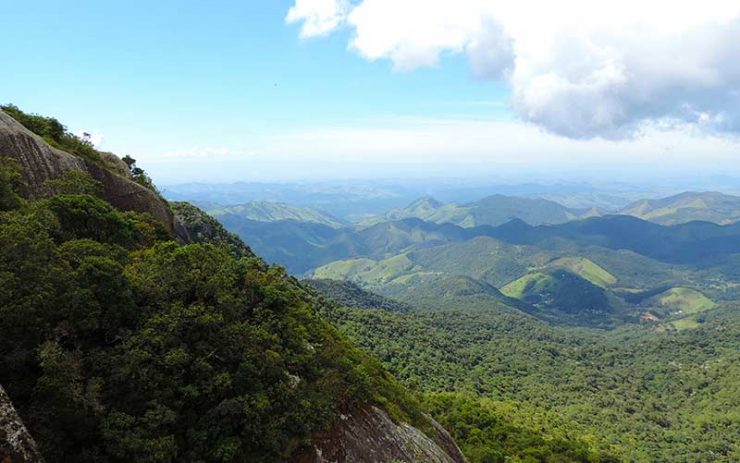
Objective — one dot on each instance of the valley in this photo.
(614, 333)
(370, 231)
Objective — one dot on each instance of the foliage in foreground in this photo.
(118, 345)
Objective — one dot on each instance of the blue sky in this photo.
(227, 90)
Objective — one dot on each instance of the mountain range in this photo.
(270, 211)
(491, 210)
(686, 207)
(504, 329)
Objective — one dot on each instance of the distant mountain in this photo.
(685, 207)
(492, 210)
(296, 245)
(693, 243)
(269, 211)
(302, 246)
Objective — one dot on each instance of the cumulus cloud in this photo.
(578, 68)
(319, 17)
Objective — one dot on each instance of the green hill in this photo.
(679, 302)
(686, 207)
(268, 211)
(586, 269)
(563, 295)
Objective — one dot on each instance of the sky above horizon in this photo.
(317, 89)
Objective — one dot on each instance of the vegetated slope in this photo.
(686, 207)
(349, 294)
(304, 246)
(296, 245)
(679, 302)
(694, 243)
(586, 269)
(301, 246)
(508, 430)
(643, 393)
(270, 211)
(45, 150)
(608, 275)
(492, 210)
(562, 295)
(120, 344)
(199, 227)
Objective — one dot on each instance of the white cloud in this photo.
(319, 17)
(579, 68)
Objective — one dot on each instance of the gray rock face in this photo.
(16, 445)
(42, 162)
(369, 435)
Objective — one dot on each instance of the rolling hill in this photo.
(714, 207)
(679, 302)
(563, 296)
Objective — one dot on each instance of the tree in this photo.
(11, 182)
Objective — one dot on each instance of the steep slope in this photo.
(119, 344)
(269, 211)
(369, 435)
(714, 207)
(42, 162)
(16, 444)
(199, 227)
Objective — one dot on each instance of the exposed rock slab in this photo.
(42, 162)
(369, 435)
(16, 444)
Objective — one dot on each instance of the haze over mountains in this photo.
(492, 210)
(133, 329)
(685, 207)
(269, 211)
(580, 336)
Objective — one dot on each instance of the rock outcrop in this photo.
(42, 162)
(369, 435)
(16, 444)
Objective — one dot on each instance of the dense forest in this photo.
(638, 393)
(121, 344)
